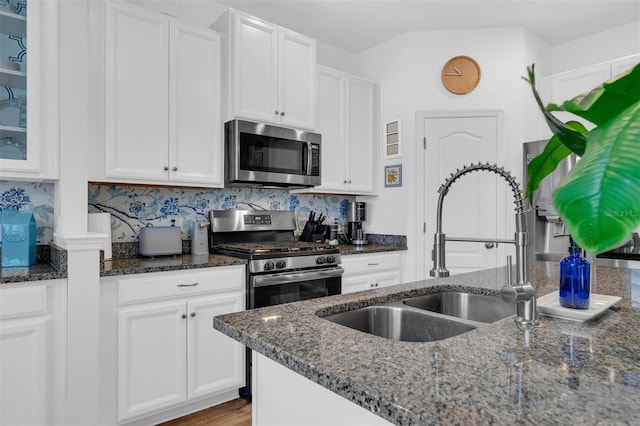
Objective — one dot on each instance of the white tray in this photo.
(549, 305)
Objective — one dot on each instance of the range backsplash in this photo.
(132, 207)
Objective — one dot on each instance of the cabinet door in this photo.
(152, 357)
(568, 85)
(621, 65)
(297, 79)
(358, 282)
(137, 93)
(195, 107)
(23, 371)
(255, 69)
(29, 132)
(216, 362)
(361, 124)
(330, 120)
(387, 278)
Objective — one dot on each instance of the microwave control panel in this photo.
(315, 160)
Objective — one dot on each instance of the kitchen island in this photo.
(562, 372)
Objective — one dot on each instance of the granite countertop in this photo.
(348, 249)
(561, 372)
(139, 265)
(37, 272)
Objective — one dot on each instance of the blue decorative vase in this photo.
(575, 279)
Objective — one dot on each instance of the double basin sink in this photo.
(427, 318)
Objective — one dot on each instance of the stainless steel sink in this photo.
(398, 322)
(473, 307)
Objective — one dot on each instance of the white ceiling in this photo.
(358, 25)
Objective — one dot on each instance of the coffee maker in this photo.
(356, 214)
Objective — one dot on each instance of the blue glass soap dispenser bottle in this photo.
(575, 279)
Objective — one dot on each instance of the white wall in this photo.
(600, 47)
(408, 69)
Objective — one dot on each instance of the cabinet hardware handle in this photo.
(344, 181)
(184, 316)
(193, 314)
(188, 285)
(282, 114)
(277, 112)
(175, 169)
(349, 180)
(166, 168)
(373, 264)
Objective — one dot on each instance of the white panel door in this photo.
(297, 79)
(358, 282)
(360, 134)
(255, 70)
(216, 362)
(471, 208)
(195, 107)
(330, 123)
(137, 93)
(152, 357)
(23, 372)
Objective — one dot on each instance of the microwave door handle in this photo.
(309, 158)
(287, 278)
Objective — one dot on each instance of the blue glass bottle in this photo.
(575, 279)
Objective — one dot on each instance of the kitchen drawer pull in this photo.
(175, 169)
(193, 314)
(373, 264)
(188, 285)
(166, 168)
(184, 316)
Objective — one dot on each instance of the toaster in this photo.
(160, 240)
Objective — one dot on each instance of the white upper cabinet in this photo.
(270, 72)
(163, 100)
(29, 71)
(347, 121)
(567, 85)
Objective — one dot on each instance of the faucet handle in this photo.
(509, 263)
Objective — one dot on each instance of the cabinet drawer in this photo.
(363, 263)
(161, 285)
(23, 301)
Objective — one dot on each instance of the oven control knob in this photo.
(321, 260)
(268, 266)
(280, 264)
(331, 259)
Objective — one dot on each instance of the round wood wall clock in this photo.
(460, 75)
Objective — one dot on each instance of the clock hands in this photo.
(457, 72)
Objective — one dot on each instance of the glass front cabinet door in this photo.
(28, 97)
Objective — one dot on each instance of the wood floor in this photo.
(232, 413)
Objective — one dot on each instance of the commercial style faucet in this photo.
(523, 292)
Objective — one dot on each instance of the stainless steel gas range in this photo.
(280, 268)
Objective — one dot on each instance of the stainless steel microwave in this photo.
(258, 154)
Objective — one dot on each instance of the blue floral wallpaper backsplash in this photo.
(132, 207)
(36, 197)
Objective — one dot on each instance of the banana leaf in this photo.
(546, 162)
(599, 200)
(574, 140)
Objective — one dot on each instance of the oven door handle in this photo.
(294, 277)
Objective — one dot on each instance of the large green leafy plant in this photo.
(599, 200)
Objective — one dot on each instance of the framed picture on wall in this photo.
(393, 176)
(392, 139)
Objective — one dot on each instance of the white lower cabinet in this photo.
(367, 271)
(168, 353)
(32, 352)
